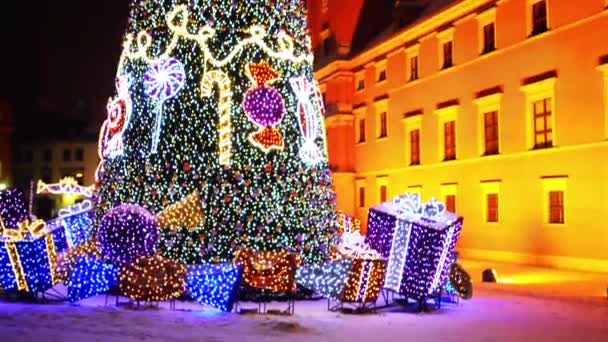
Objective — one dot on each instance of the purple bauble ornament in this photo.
(264, 106)
(126, 233)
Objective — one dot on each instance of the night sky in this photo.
(59, 58)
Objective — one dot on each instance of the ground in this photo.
(528, 304)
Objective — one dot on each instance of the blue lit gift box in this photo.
(28, 250)
(418, 240)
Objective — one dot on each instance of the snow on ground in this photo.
(498, 312)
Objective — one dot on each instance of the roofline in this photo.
(418, 29)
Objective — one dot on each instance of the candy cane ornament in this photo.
(225, 107)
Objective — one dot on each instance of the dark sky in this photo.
(60, 56)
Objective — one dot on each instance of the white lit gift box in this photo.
(417, 239)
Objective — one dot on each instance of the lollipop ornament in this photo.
(163, 81)
(265, 107)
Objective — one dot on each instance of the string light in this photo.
(224, 108)
(260, 201)
(187, 213)
(66, 186)
(365, 281)
(127, 232)
(91, 277)
(416, 238)
(327, 279)
(214, 285)
(67, 261)
(153, 279)
(270, 271)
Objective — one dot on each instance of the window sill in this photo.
(449, 160)
(554, 225)
(360, 143)
(379, 83)
(381, 139)
(487, 53)
(414, 165)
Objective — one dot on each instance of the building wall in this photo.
(31, 165)
(567, 63)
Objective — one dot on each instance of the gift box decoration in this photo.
(269, 271)
(77, 221)
(365, 280)
(91, 277)
(29, 265)
(417, 239)
(327, 279)
(13, 209)
(214, 285)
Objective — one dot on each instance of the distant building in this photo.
(497, 108)
(6, 131)
(52, 155)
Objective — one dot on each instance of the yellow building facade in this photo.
(499, 109)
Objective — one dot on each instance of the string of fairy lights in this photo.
(191, 120)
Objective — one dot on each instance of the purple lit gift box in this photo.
(417, 239)
(28, 250)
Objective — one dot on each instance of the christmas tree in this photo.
(216, 106)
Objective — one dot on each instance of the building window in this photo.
(415, 147)
(447, 55)
(539, 17)
(489, 43)
(450, 203)
(540, 113)
(413, 62)
(382, 189)
(447, 117)
(491, 197)
(449, 140)
(67, 155)
(361, 138)
(79, 155)
(492, 208)
(555, 199)
(542, 124)
(47, 156)
(491, 132)
(380, 71)
(361, 197)
(383, 131)
(446, 47)
(556, 207)
(448, 194)
(414, 68)
(360, 84)
(47, 174)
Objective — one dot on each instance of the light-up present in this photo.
(270, 271)
(214, 285)
(418, 240)
(28, 250)
(327, 279)
(91, 277)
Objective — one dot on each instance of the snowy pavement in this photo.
(497, 312)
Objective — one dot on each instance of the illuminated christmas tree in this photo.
(217, 115)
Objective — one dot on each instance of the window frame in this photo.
(380, 108)
(537, 91)
(483, 19)
(360, 185)
(360, 115)
(487, 104)
(488, 188)
(449, 189)
(382, 182)
(444, 37)
(412, 123)
(551, 184)
(413, 53)
(447, 114)
(604, 70)
(360, 80)
(530, 17)
(380, 68)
